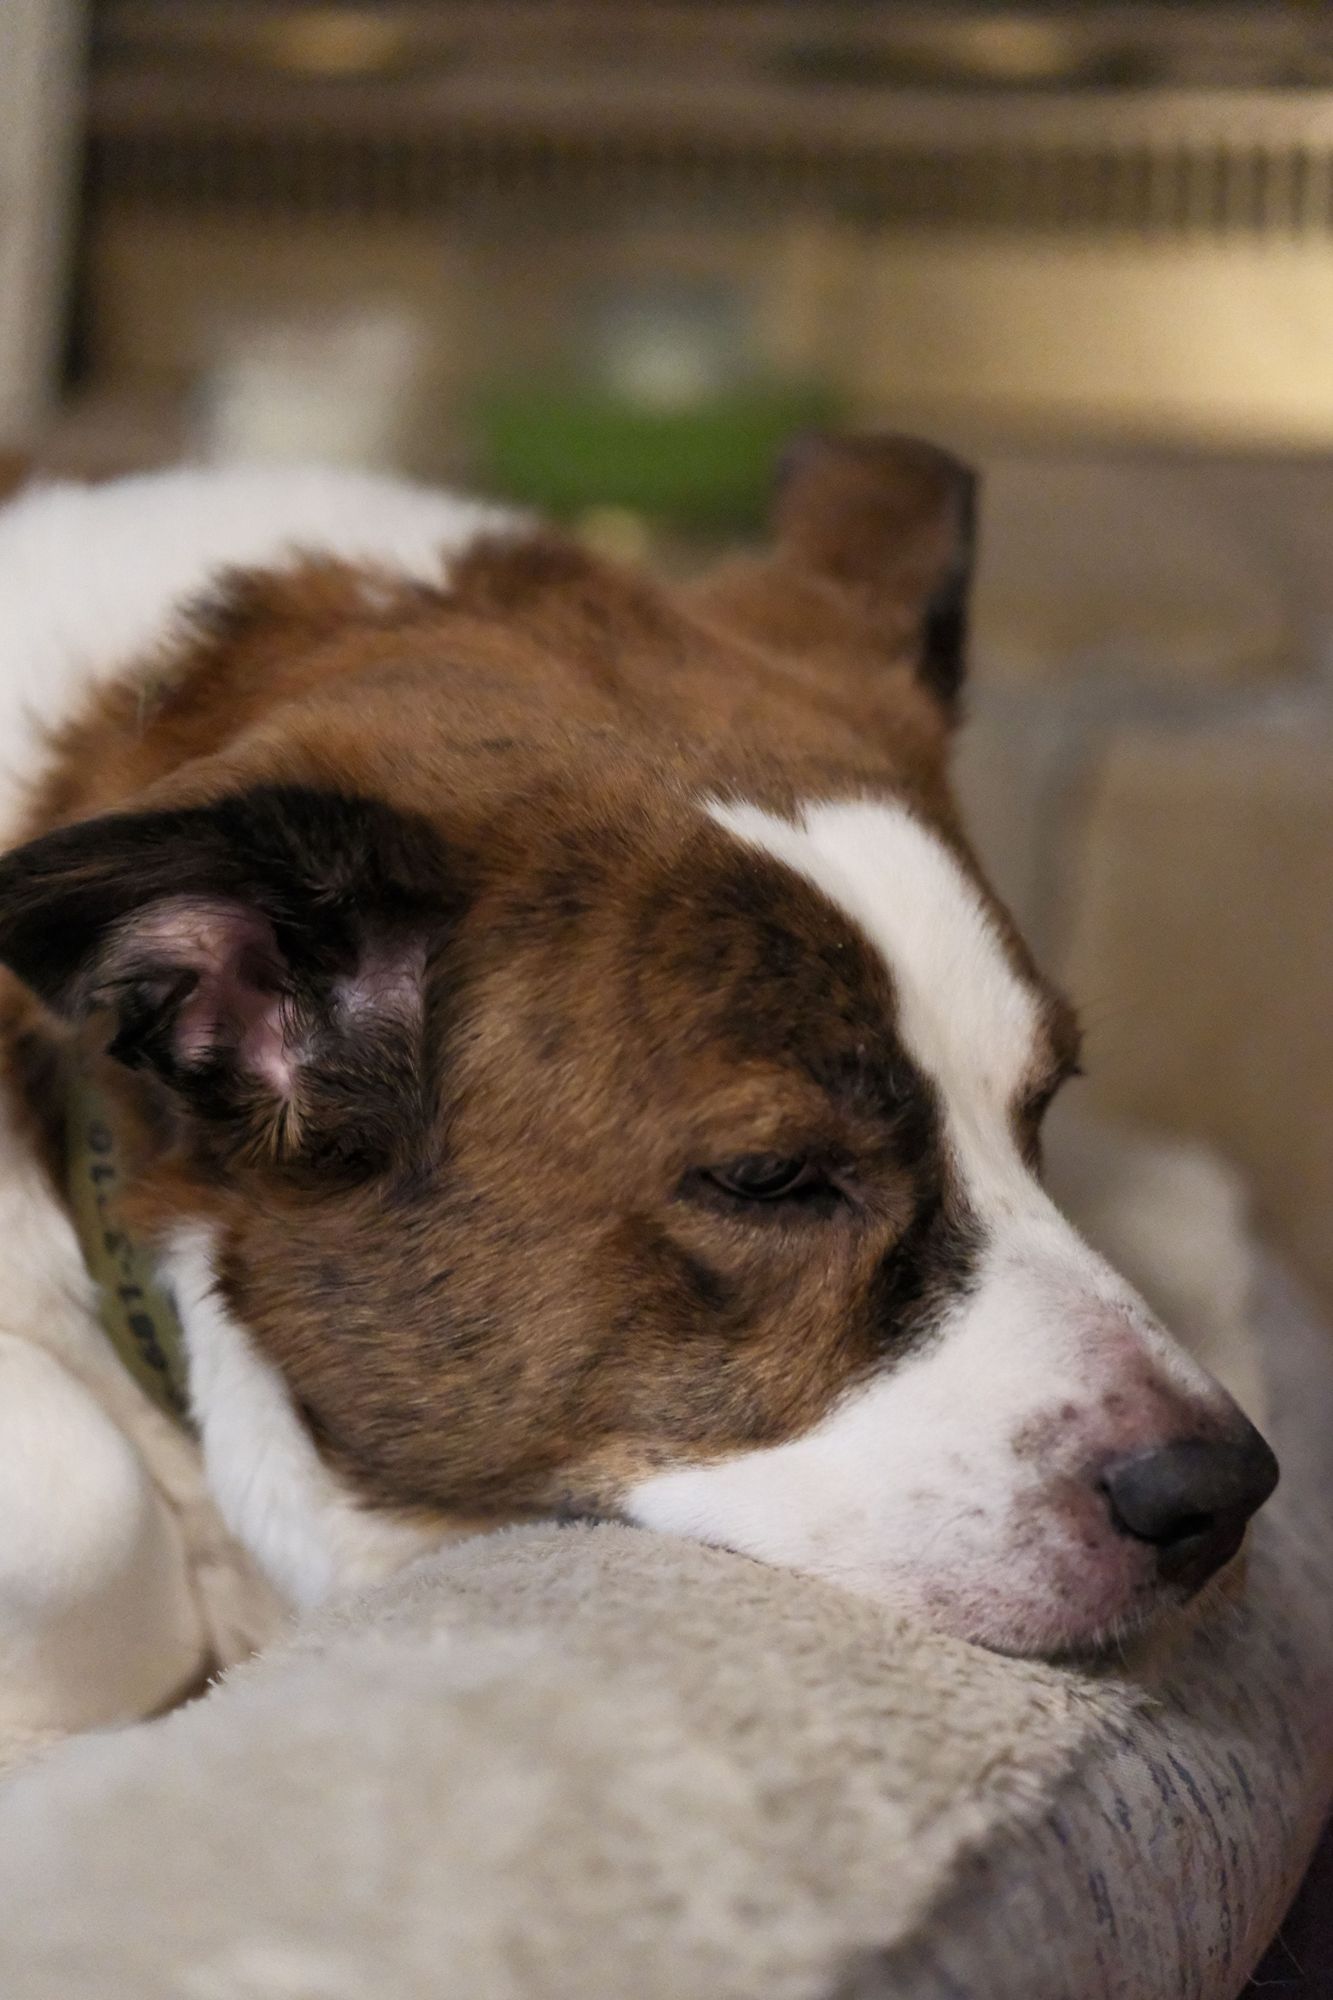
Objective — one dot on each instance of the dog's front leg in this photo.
(97, 1620)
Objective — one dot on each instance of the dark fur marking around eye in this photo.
(1030, 1112)
(677, 1280)
(790, 978)
(934, 1259)
(707, 1287)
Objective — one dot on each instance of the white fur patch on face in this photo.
(960, 1483)
(964, 1016)
(273, 1490)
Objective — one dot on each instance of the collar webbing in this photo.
(139, 1319)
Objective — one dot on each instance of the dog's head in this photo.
(612, 1088)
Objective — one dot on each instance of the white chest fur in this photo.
(274, 1492)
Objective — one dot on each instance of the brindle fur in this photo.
(482, 1249)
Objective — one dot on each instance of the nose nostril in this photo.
(1191, 1525)
(1190, 1500)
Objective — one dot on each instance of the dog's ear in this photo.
(263, 956)
(889, 521)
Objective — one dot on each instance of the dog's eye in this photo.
(1034, 1110)
(767, 1177)
(1041, 1100)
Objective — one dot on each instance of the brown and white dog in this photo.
(573, 1061)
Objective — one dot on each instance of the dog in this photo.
(563, 1058)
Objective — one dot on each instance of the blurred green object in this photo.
(706, 465)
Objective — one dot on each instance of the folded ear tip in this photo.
(802, 449)
(889, 521)
(889, 464)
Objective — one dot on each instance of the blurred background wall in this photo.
(603, 256)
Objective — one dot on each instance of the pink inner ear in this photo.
(236, 1005)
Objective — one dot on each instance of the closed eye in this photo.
(764, 1177)
(756, 1183)
(1038, 1102)
(1033, 1108)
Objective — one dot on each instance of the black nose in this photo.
(1191, 1499)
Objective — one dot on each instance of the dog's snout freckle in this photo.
(1032, 1439)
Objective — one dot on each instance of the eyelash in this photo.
(799, 1182)
(1040, 1103)
(811, 1191)
(1034, 1112)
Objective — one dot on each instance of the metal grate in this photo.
(1076, 122)
(1160, 190)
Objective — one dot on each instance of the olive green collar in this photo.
(139, 1319)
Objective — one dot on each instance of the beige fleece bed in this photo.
(590, 1764)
